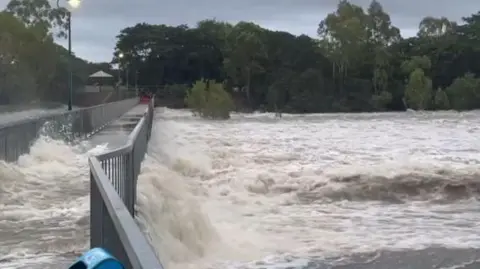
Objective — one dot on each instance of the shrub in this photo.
(441, 100)
(177, 90)
(382, 100)
(209, 99)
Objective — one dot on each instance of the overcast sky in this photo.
(96, 23)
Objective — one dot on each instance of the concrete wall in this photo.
(95, 95)
(86, 99)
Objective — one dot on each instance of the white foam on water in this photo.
(256, 191)
(44, 204)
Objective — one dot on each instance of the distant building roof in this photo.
(101, 74)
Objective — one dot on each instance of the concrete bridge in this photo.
(126, 126)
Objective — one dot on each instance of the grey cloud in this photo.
(97, 22)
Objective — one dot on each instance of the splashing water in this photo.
(313, 191)
(11, 116)
(44, 205)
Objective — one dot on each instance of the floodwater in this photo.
(387, 190)
(11, 113)
(44, 200)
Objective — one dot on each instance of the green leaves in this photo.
(465, 92)
(21, 51)
(381, 31)
(416, 62)
(208, 99)
(418, 92)
(435, 27)
(358, 63)
(40, 15)
(245, 49)
(32, 66)
(441, 100)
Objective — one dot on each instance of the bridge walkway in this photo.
(116, 133)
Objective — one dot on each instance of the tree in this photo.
(465, 92)
(418, 91)
(441, 100)
(245, 50)
(435, 27)
(359, 62)
(381, 35)
(21, 51)
(344, 34)
(209, 100)
(41, 15)
(32, 66)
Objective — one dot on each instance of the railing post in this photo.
(96, 215)
(136, 171)
(130, 181)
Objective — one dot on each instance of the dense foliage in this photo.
(209, 99)
(32, 66)
(358, 63)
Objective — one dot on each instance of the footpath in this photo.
(116, 133)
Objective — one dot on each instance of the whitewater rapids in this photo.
(10, 114)
(388, 190)
(44, 205)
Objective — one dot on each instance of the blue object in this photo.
(97, 258)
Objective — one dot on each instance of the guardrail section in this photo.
(16, 137)
(113, 186)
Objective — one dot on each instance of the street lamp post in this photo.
(72, 4)
(136, 82)
(120, 56)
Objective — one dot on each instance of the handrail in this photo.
(112, 199)
(127, 147)
(136, 246)
(55, 114)
(16, 137)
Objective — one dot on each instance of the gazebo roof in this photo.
(101, 74)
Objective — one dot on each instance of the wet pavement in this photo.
(116, 134)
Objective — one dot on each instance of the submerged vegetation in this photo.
(208, 99)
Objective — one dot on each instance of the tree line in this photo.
(32, 66)
(359, 62)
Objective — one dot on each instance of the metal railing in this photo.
(113, 188)
(16, 137)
